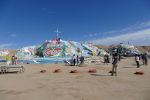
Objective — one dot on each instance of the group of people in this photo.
(76, 60)
(11, 60)
(115, 59)
(143, 57)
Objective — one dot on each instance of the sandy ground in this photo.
(33, 85)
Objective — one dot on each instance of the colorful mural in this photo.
(59, 48)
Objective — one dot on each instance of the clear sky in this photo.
(31, 22)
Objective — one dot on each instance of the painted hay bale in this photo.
(92, 70)
(74, 71)
(57, 70)
(42, 71)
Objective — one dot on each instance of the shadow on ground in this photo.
(130, 67)
(14, 72)
(100, 75)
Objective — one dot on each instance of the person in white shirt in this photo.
(137, 59)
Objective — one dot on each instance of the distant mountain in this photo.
(103, 47)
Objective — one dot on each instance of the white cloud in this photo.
(141, 37)
(138, 34)
(13, 35)
(129, 29)
(6, 45)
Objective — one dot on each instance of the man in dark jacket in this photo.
(114, 63)
(82, 59)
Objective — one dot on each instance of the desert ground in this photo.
(33, 85)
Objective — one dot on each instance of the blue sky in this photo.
(31, 22)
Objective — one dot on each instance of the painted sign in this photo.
(53, 51)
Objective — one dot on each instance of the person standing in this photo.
(16, 60)
(106, 59)
(77, 60)
(81, 60)
(13, 60)
(142, 57)
(114, 63)
(8, 60)
(74, 60)
(137, 59)
(145, 59)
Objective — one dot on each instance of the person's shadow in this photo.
(100, 75)
(130, 67)
(13, 72)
